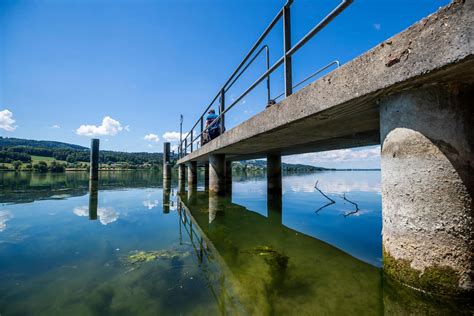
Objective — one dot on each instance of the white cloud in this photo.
(171, 136)
(109, 127)
(55, 126)
(150, 204)
(377, 26)
(5, 216)
(106, 215)
(127, 128)
(152, 138)
(6, 121)
(81, 211)
(150, 145)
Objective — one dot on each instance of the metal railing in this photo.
(190, 139)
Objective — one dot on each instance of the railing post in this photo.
(186, 146)
(287, 47)
(181, 135)
(221, 110)
(192, 142)
(268, 78)
(202, 128)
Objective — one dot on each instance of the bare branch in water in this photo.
(331, 201)
(353, 203)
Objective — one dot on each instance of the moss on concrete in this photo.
(436, 279)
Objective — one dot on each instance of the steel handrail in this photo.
(257, 82)
(281, 13)
(230, 84)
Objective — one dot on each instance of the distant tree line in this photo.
(24, 153)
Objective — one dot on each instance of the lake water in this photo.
(128, 246)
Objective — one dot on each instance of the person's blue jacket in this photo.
(210, 118)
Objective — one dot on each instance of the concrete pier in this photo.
(192, 174)
(228, 178)
(217, 174)
(415, 99)
(273, 174)
(181, 178)
(94, 161)
(427, 187)
(166, 161)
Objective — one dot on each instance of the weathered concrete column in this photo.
(273, 174)
(206, 176)
(94, 162)
(166, 161)
(228, 177)
(93, 199)
(181, 178)
(217, 174)
(192, 174)
(427, 187)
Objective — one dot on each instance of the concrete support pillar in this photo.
(217, 174)
(94, 162)
(166, 161)
(192, 174)
(427, 187)
(93, 199)
(181, 178)
(228, 178)
(274, 174)
(206, 176)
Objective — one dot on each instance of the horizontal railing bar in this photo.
(328, 18)
(257, 43)
(311, 76)
(245, 68)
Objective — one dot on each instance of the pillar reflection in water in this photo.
(181, 178)
(166, 195)
(93, 199)
(216, 206)
(192, 192)
(206, 176)
(274, 208)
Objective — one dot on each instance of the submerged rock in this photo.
(147, 256)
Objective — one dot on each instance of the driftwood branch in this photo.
(353, 203)
(331, 201)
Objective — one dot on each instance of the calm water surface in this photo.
(128, 246)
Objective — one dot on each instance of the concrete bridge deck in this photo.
(341, 109)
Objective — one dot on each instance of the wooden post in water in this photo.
(93, 199)
(94, 162)
(166, 162)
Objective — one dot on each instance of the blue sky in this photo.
(126, 70)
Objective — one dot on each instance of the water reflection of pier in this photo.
(273, 269)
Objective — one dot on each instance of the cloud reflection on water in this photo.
(5, 216)
(106, 215)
